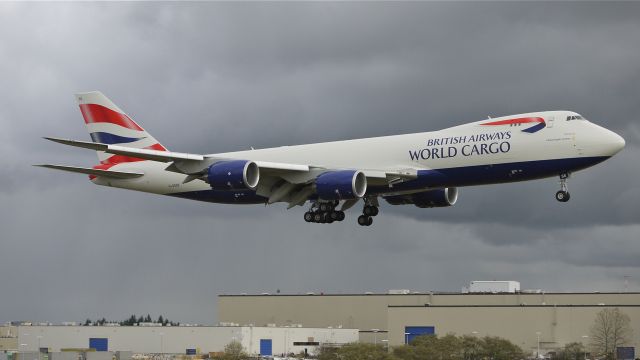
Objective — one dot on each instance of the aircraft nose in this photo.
(615, 142)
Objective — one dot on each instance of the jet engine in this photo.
(342, 184)
(426, 199)
(233, 175)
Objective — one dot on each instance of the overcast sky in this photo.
(214, 77)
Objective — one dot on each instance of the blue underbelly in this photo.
(496, 173)
(223, 196)
(450, 177)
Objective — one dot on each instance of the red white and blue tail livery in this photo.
(107, 124)
(423, 169)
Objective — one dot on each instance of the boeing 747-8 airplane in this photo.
(423, 169)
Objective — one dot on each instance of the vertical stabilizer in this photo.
(108, 124)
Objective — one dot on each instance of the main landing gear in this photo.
(324, 213)
(369, 210)
(563, 194)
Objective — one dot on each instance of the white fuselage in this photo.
(470, 146)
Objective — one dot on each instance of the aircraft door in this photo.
(577, 145)
(550, 121)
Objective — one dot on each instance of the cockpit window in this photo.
(574, 117)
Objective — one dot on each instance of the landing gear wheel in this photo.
(334, 216)
(364, 220)
(340, 215)
(308, 216)
(325, 218)
(324, 207)
(317, 217)
(370, 210)
(563, 196)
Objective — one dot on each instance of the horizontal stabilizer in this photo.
(82, 144)
(95, 172)
(146, 154)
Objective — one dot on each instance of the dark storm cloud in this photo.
(213, 77)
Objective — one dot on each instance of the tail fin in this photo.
(107, 124)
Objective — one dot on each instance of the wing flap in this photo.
(95, 172)
(267, 165)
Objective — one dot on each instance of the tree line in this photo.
(421, 348)
(133, 320)
(449, 346)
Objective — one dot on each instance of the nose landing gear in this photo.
(563, 194)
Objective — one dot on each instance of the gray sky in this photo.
(213, 77)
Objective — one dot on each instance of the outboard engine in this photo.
(426, 199)
(341, 185)
(233, 175)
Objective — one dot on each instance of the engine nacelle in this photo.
(233, 175)
(426, 199)
(342, 184)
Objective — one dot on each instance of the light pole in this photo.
(39, 337)
(375, 336)
(585, 337)
(538, 352)
(473, 349)
(25, 344)
(386, 343)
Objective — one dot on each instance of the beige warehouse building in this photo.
(560, 318)
(156, 339)
(8, 338)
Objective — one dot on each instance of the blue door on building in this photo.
(625, 353)
(265, 347)
(410, 332)
(100, 344)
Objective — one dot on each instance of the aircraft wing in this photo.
(292, 183)
(96, 172)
